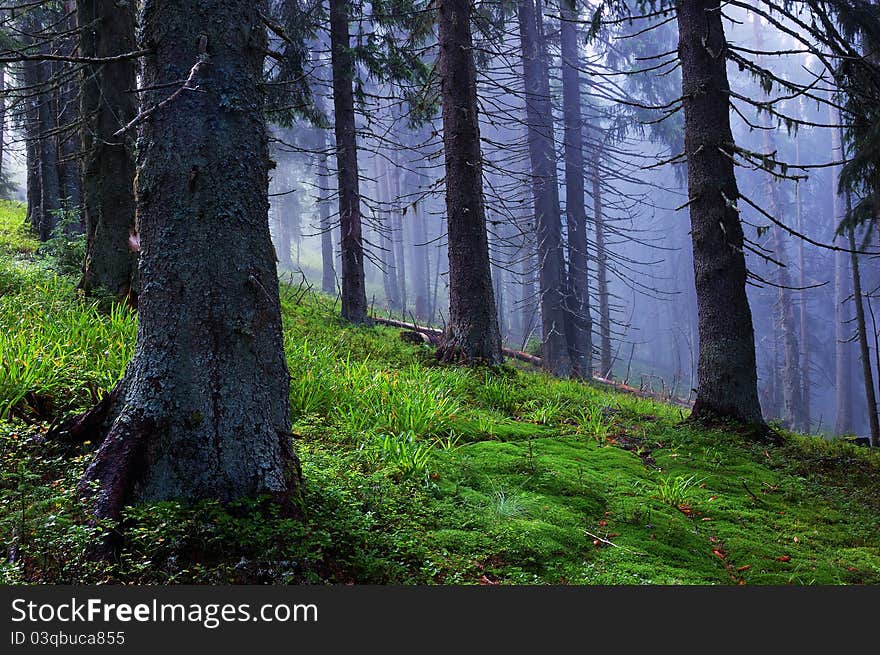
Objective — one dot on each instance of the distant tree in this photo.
(107, 106)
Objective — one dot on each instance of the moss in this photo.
(511, 483)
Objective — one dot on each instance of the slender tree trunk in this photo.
(389, 260)
(605, 357)
(31, 77)
(791, 370)
(50, 186)
(328, 268)
(727, 379)
(864, 351)
(806, 388)
(551, 261)
(398, 238)
(107, 104)
(2, 115)
(354, 294)
(578, 300)
(202, 410)
(472, 334)
(843, 391)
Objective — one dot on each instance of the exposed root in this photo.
(88, 426)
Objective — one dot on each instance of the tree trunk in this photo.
(605, 358)
(542, 154)
(398, 239)
(2, 115)
(864, 351)
(107, 104)
(389, 259)
(727, 379)
(354, 295)
(578, 300)
(328, 268)
(806, 385)
(202, 410)
(472, 334)
(792, 382)
(843, 391)
(30, 75)
(50, 186)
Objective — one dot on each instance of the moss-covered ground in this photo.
(420, 474)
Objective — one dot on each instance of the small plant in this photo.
(506, 506)
(594, 424)
(676, 491)
(406, 454)
(546, 413)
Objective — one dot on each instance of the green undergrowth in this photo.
(417, 473)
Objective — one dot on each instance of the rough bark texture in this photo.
(472, 334)
(202, 410)
(354, 295)
(551, 261)
(107, 104)
(605, 359)
(578, 299)
(727, 379)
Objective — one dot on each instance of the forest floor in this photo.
(418, 473)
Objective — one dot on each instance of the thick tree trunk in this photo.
(578, 300)
(843, 391)
(551, 260)
(202, 410)
(605, 357)
(108, 104)
(727, 379)
(354, 295)
(472, 334)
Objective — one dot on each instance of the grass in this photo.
(418, 473)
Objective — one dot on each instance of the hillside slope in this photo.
(418, 473)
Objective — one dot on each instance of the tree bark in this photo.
(864, 351)
(806, 384)
(843, 392)
(605, 358)
(727, 379)
(50, 185)
(472, 334)
(30, 76)
(354, 295)
(542, 154)
(203, 409)
(578, 300)
(108, 104)
(328, 267)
